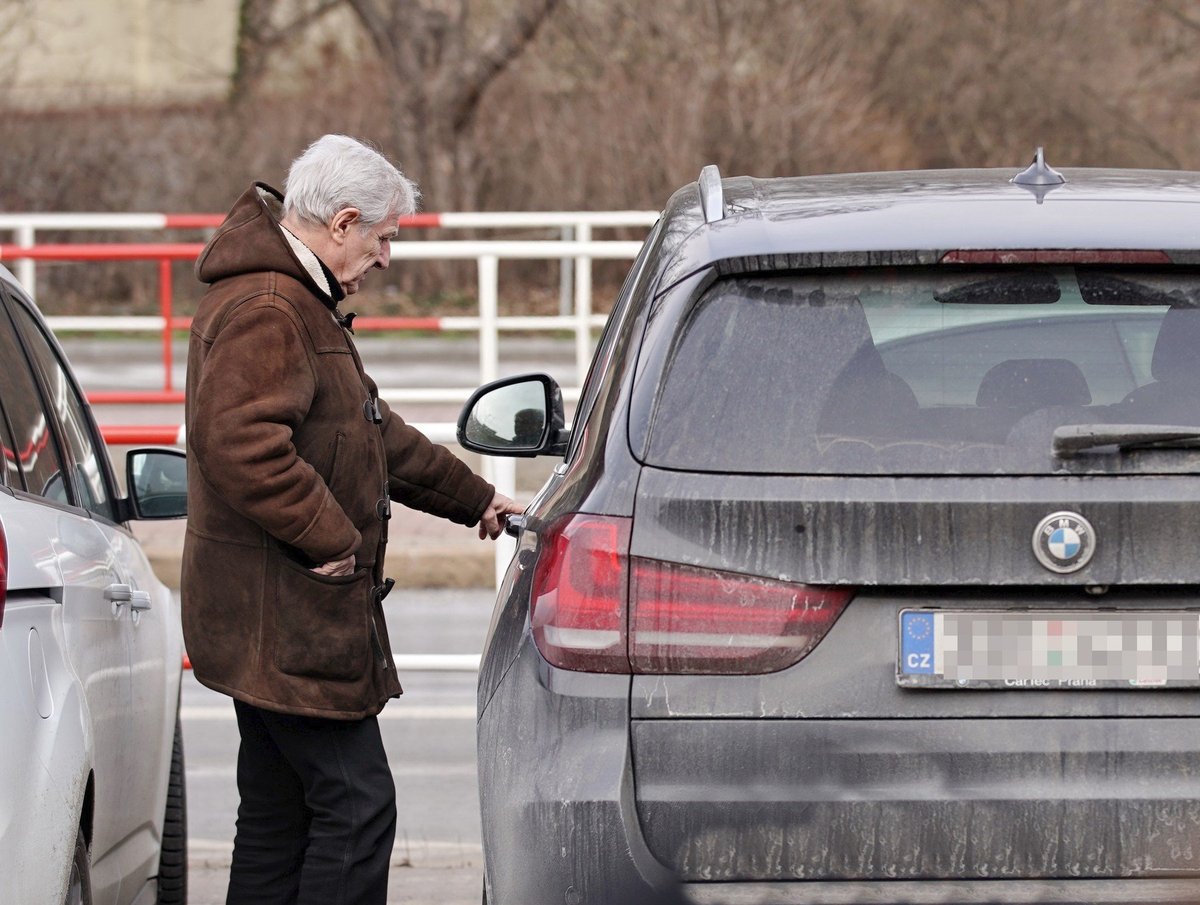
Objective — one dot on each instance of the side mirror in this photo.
(157, 483)
(515, 416)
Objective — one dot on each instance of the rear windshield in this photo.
(924, 370)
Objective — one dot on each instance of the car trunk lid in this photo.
(917, 531)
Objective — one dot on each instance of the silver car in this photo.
(92, 804)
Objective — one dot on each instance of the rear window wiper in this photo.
(1073, 438)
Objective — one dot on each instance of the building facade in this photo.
(57, 54)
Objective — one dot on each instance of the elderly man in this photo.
(293, 462)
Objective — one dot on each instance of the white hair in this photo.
(336, 172)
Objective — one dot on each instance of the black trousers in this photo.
(317, 816)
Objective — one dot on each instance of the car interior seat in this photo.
(1023, 385)
(1174, 393)
(866, 399)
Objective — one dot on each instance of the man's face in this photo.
(363, 250)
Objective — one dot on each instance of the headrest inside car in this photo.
(1033, 383)
(1177, 349)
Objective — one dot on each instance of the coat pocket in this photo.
(339, 441)
(322, 623)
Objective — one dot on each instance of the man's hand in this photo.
(491, 523)
(336, 567)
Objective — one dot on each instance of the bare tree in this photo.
(625, 101)
(264, 28)
(440, 66)
(982, 84)
(592, 104)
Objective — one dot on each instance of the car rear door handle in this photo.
(121, 594)
(514, 525)
(118, 593)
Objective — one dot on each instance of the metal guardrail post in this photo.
(583, 306)
(500, 472)
(566, 274)
(165, 292)
(489, 305)
(26, 236)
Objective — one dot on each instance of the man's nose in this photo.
(385, 254)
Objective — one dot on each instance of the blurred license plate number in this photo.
(1048, 650)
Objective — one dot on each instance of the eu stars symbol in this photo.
(916, 643)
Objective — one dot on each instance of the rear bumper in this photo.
(946, 892)
(1055, 811)
(556, 792)
(884, 800)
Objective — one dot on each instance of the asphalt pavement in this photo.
(429, 733)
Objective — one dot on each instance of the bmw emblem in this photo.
(1064, 542)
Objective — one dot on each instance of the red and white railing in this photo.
(576, 249)
(576, 252)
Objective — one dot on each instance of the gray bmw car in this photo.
(871, 568)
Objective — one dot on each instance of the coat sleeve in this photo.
(426, 476)
(256, 388)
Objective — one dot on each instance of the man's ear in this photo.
(342, 222)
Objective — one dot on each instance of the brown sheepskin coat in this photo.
(291, 462)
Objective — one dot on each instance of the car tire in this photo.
(172, 859)
(79, 888)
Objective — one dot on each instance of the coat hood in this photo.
(251, 241)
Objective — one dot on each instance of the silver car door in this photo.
(96, 599)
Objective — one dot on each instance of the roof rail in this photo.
(712, 196)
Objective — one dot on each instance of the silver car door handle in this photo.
(139, 600)
(118, 593)
(514, 525)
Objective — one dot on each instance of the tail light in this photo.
(597, 609)
(579, 594)
(3, 571)
(692, 620)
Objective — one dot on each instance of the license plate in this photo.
(1048, 650)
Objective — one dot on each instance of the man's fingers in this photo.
(491, 523)
(335, 567)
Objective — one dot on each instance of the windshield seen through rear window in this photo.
(931, 370)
